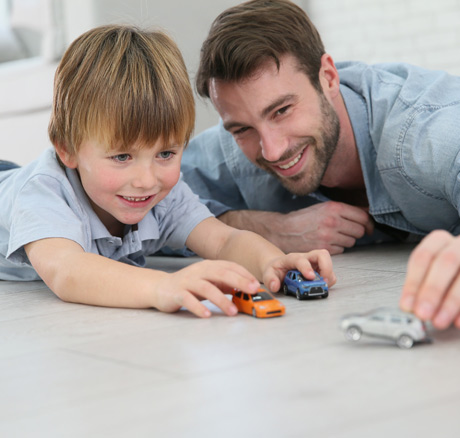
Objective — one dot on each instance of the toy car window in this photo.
(261, 296)
(238, 294)
(396, 320)
(246, 297)
(377, 318)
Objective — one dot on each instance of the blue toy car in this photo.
(295, 284)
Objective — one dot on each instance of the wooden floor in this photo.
(78, 371)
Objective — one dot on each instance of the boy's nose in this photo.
(144, 177)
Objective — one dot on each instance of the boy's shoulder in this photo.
(36, 183)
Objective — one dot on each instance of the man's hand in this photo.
(329, 225)
(432, 286)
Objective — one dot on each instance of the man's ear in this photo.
(67, 158)
(329, 76)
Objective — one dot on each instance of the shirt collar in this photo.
(377, 195)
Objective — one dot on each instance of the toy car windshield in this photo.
(300, 277)
(261, 296)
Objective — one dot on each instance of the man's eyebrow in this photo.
(230, 125)
(265, 112)
(278, 102)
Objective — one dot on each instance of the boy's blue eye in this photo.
(121, 158)
(165, 154)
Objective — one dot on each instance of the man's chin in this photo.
(298, 186)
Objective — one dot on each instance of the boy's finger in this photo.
(208, 291)
(322, 259)
(193, 305)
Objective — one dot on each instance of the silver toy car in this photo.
(404, 328)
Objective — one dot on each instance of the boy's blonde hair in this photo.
(121, 86)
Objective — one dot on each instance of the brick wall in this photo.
(422, 32)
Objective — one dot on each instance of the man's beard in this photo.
(305, 183)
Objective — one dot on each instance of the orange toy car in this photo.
(260, 305)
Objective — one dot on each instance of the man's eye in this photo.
(240, 130)
(282, 110)
(121, 158)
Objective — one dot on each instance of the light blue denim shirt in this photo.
(406, 122)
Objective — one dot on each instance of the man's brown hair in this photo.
(120, 86)
(246, 36)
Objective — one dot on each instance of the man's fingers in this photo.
(427, 276)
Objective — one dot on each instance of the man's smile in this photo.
(291, 163)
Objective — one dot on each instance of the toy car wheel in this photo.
(325, 295)
(285, 289)
(405, 341)
(353, 333)
(297, 294)
(254, 314)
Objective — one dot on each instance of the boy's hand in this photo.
(206, 280)
(432, 286)
(318, 260)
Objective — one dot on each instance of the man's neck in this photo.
(344, 171)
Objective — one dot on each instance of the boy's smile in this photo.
(124, 185)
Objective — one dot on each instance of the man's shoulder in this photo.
(215, 137)
(413, 81)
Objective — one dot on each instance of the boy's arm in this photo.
(80, 277)
(214, 240)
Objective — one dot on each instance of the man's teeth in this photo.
(128, 198)
(291, 163)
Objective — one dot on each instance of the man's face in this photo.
(281, 123)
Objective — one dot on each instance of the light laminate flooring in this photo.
(79, 371)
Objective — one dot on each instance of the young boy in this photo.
(110, 191)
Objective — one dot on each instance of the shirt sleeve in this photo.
(41, 210)
(178, 214)
(205, 170)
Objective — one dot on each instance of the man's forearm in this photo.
(265, 223)
(327, 225)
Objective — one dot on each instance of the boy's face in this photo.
(124, 185)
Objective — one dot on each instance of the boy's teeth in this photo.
(128, 198)
(291, 163)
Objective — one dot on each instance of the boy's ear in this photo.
(66, 157)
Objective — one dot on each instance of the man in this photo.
(379, 139)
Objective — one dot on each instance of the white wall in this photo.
(187, 22)
(422, 32)
(23, 99)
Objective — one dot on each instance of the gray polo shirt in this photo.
(42, 200)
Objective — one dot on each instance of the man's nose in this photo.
(273, 144)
